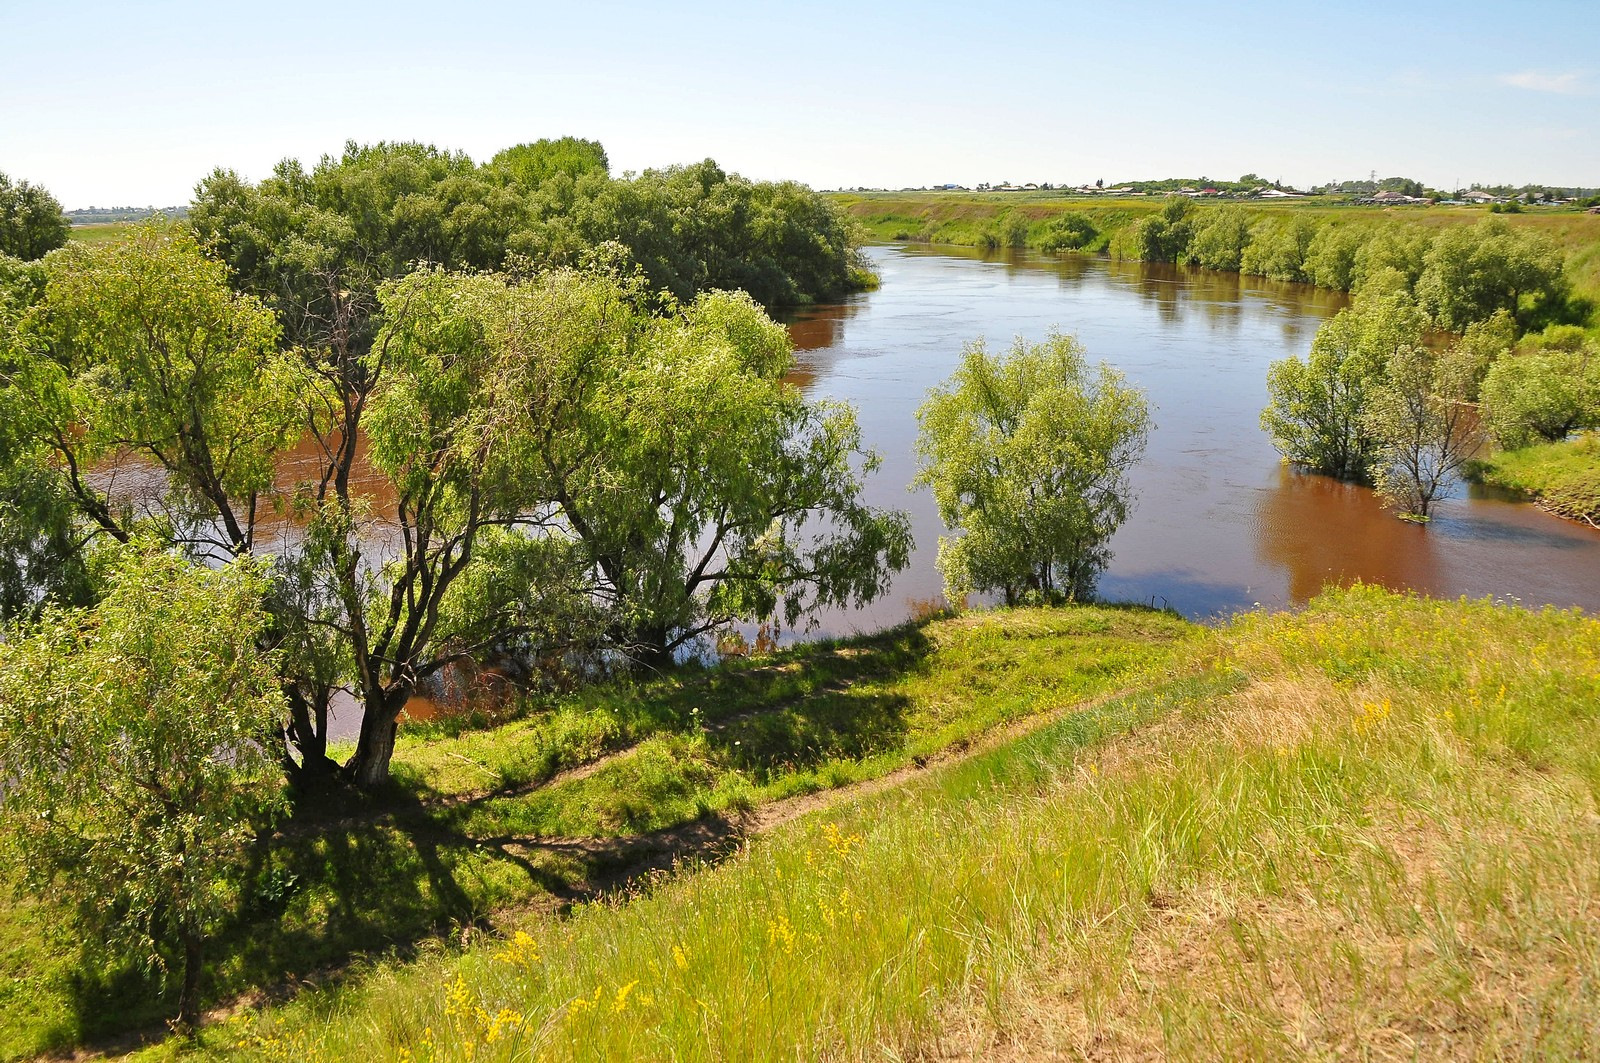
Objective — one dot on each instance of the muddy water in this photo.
(1220, 525)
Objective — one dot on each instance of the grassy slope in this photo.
(959, 218)
(539, 811)
(1366, 829)
(1562, 477)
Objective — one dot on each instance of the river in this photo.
(1220, 525)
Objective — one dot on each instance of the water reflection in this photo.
(1220, 525)
(1320, 531)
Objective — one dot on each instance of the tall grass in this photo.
(1369, 828)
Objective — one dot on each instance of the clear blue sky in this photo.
(132, 103)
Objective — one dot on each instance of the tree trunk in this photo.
(308, 733)
(369, 767)
(189, 998)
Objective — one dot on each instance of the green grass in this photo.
(100, 232)
(483, 825)
(1561, 477)
(1365, 829)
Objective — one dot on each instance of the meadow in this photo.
(585, 795)
(1364, 829)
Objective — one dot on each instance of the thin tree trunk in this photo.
(189, 999)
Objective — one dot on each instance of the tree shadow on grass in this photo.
(353, 875)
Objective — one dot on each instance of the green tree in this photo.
(553, 434)
(1402, 249)
(1420, 417)
(684, 529)
(1071, 231)
(1279, 250)
(1541, 396)
(1027, 454)
(1316, 414)
(1221, 237)
(1469, 273)
(31, 222)
(131, 744)
(1331, 255)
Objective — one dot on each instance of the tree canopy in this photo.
(134, 748)
(1027, 454)
(31, 222)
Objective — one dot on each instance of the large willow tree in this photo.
(510, 466)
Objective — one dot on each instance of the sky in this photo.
(132, 103)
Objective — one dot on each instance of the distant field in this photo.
(100, 232)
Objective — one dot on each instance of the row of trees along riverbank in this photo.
(1550, 256)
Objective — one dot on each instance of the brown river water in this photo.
(1220, 525)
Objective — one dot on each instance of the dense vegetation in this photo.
(1548, 259)
(351, 428)
(435, 415)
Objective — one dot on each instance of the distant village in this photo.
(1391, 191)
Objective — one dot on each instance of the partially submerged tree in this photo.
(131, 745)
(1316, 416)
(1422, 419)
(1027, 454)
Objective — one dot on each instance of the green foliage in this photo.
(531, 165)
(1072, 231)
(40, 558)
(1331, 256)
(1162, 237)
(681, 529)
(1221, 237)
(1541, 396)
(1469, 273)
(134, 741)
(1027, 454)
(1279, 250)
(1316, 412)
(1393, 251)
(141, 346)
(31, 222)
(1481, 345)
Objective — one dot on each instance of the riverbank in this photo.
(1368, 826)
(1563, 478)
(973, 219)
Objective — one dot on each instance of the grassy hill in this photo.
(1365, 829)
